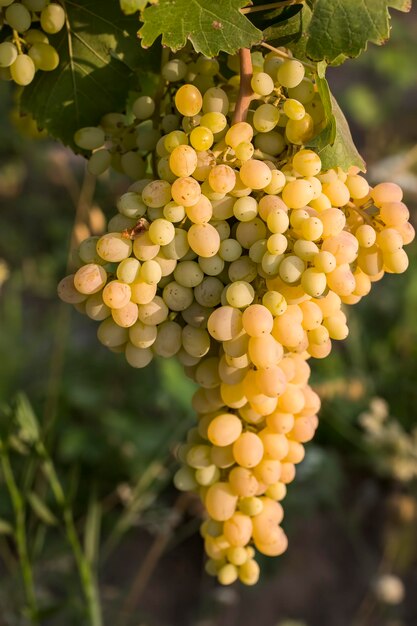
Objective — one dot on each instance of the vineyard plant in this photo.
(226, 231)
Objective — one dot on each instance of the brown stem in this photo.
(285, 55)
(245, 90)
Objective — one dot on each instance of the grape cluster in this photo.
(237, 260)
(26, 50)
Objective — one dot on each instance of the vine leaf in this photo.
(210, 26)
(285, 26)
(98, 48)
(342, 152)
(328, 135)
(334, 143)
(132, 6)
(339, 29)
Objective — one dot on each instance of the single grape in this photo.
(23, 70)
(53, 18)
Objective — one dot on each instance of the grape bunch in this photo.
(237, 258)
(25, 50)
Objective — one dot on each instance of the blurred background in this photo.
(81, 422)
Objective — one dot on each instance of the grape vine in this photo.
(247, 230)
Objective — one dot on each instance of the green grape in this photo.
(297, 193)
(128, 270)
(35, 36)
(212, 266)
(201, 138)
(272, 143)
(277, 244)
(291, 269)
(215, 100)
(87, 251)
(188, 274)
(143, 107)
(174, 70)
(8, 54)
(300, 131)
(303, 92)
(307, 163)
(110, 334)
(214, 121)
(168, 341)
(290, 73)
(255, 174)
(240, 294)
(113, 247)
(147, 136)
(23, 70)
(138, 357)
(207, 66)
(201, 212)
(174, 212)
(293, 109)
(151, 272)
(230, 250)
(156, 193)
(44, 56)
(188, 100)
(96, 309)
(5, 3)
(99, 162)
(174, 139)
(170, 122)
(265, 118)
(245, 209)
(183, 160)
(35, 5)
(306, 250)
(177, 297)
(52, 18)
(18, 17)
(133, 165)
(89, 138)
(186, 191)
(244, 151)
(161, 232)
(262, 84)
(242, 131)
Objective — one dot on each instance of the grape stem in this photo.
(269, 7)
(360, 211)
(17, 41)
(245, 90)
(285, 55)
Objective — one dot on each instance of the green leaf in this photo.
(341, 29)
(290, 29)
(283, 25)
(328, 134)
(343, 152)
(132, 6)
(5, 527)
(210, 26)
(98, 47)
(41, 510)
(26, 420)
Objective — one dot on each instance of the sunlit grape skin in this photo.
(237, 260)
